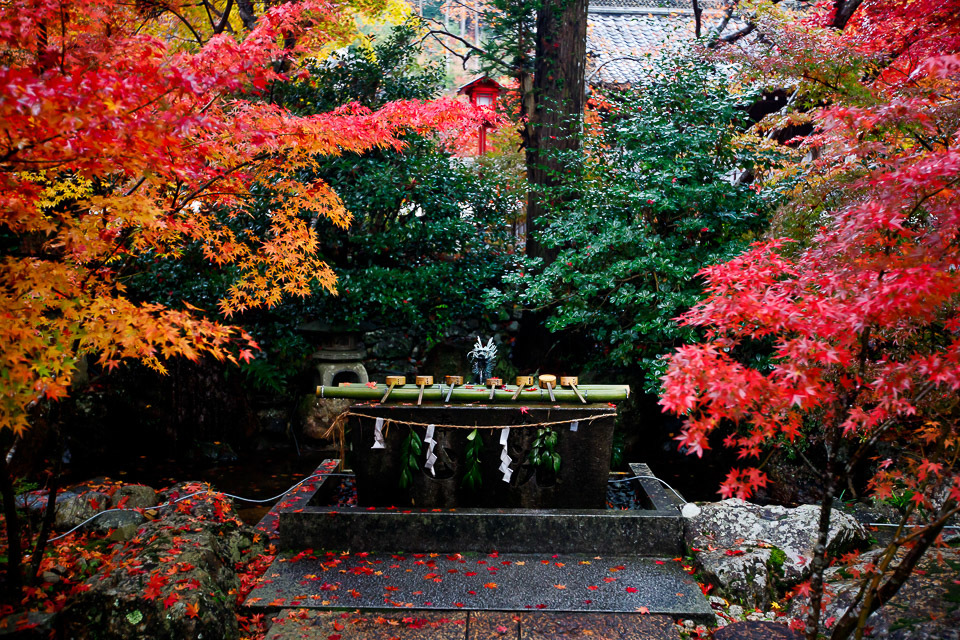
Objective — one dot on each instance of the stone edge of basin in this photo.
(651, 532)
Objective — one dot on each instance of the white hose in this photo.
(196, 493)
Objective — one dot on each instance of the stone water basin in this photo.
(321, 521)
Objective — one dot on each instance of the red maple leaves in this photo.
(851, 336)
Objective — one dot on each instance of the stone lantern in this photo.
(339, 354)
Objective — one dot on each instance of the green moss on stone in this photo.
(777, 558)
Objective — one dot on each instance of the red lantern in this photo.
(482, 92)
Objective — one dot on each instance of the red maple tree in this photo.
(861, 317)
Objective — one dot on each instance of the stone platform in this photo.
(480, 582)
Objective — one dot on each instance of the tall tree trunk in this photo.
(854, 618)
(819, 562)
(843, 11)
(247, 13)
(558, 90)
(50, 513)
(14, 551)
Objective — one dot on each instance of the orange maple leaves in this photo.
(116, 145)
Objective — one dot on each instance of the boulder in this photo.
(35, 502)
(317, 414)
(28, 625)
(272, 420)
(77, 508)
(215, 452)
(118, 519)
(197, 499)
(750, 630)
(175, 579)
(750, 551)
(925, 608)
(136, 496)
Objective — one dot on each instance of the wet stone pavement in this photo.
(479, 582)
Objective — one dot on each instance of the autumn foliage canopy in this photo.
(843, 336)
(125, 134)
(862, 317)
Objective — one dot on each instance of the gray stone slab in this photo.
(487, 625)
(756, 630)
(298, 498)
(300, 624)
(324, 625)
(593, 626)
(642, 533)
(304, 521)
(481, 582)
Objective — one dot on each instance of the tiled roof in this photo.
(658, 4)
(621, 33)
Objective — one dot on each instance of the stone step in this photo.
(473, 625)
(480, 582)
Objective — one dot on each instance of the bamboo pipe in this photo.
(463, 395)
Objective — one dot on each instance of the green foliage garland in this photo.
(471, 478)
(409, 458)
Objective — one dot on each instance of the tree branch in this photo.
(247, 15)
(736, 35)
(843, 11)
(437, 30)
(166, 7)
(224, 19)
(727, 15)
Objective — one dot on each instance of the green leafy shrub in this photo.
(662, 195)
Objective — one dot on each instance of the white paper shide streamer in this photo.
(378, 442)
(505, 459)
(431, 456)
(574, 425)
